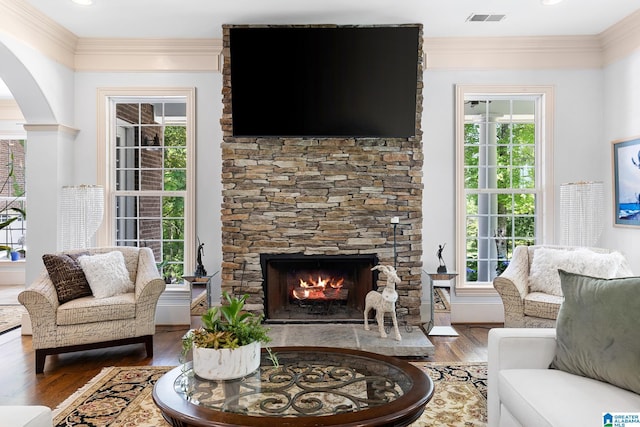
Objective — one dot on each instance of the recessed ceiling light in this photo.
(550, 2)
(83, 2)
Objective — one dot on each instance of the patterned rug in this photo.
(121, 396)
(441, 300)
(10, 317)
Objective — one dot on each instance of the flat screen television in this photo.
(324, 81)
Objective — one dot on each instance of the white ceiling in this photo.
(441, 18)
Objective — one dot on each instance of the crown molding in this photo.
(100, 54)
(24, 22)
(621, 39)
(27, 24)
(513, 53)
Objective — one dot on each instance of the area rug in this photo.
(121, 396)
(441, 300)
(10, 317)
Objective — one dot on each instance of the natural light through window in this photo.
(500, 188)
(149, 180)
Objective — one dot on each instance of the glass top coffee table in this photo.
(312, 386)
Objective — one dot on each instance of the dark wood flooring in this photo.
(65, 373)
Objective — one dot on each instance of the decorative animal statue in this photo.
(384, 302)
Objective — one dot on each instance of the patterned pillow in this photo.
(107, 274)
(67, 277)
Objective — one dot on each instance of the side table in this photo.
(430, 325)
(202, 280)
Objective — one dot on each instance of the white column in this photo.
(487, 204)
(49, 166)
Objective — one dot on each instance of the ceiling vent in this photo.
(485, 17)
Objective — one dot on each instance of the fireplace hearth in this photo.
(316, 288)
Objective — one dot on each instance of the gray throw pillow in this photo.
(67, 276)
(598, 329)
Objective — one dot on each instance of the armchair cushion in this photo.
(598, 335)
(67, 277)
(90, 310)
(544, 277)
(107, 274)
(538, 304)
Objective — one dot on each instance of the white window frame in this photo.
(544, 172)
(106, 141)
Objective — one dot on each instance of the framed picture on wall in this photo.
(626, 181)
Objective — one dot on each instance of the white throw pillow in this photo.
(544, 277)
(107, 274)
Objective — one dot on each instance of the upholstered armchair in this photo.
(527, 285)
(65, 323)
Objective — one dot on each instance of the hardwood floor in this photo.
(65, 373)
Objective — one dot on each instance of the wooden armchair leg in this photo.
(148, 343)
(40, 357)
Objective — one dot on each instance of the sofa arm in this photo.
(41, 301)
(148, 288)
(513, 286)
(147, 271)
(515, 348)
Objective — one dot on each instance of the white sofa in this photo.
(522, 391)
(26, 416)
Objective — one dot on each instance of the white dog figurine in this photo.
(383, 302)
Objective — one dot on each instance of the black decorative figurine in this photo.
(442, 268)
(200, 271)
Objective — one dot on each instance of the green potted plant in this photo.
(227, 346)
(10, 181)
(12, 253)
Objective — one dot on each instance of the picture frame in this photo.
(626, 182)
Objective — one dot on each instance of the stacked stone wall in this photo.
(321, 196)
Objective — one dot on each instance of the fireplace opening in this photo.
(316, 288)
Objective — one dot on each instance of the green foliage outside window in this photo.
(512, 167)
(155, 215)
(175, 179)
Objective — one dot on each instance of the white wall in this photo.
(208, 138)
(592, 108)
(577, 156)
(621, 118)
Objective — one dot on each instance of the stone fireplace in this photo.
(320, 197)
(318, 288)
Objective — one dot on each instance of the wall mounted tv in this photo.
(294, 81)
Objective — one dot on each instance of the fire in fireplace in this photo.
(318, 288)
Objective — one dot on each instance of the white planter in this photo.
(224, 363)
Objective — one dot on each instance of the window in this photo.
(13, 224)
(149, 178)
(502, 153)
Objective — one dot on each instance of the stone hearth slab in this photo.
(414, 343)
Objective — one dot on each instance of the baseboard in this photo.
(174, 306)
(477, 312)
(12, 272)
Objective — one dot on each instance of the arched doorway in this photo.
(37, 84)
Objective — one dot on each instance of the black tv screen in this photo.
(324, 81)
